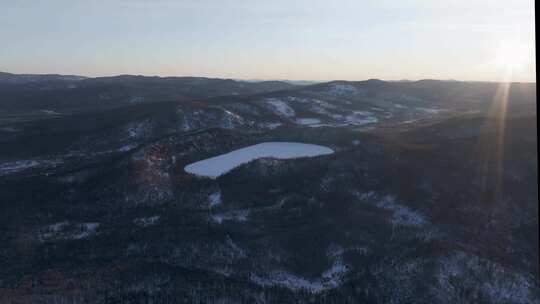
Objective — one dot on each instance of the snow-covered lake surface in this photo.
(308, 121)
(221, 164)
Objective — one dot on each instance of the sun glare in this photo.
(511, 55)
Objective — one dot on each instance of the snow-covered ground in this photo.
(21, 165)
(68, 231)
(136, 99)
(499, 284)
(214, 199)
(401, 215)
(343, 89)
(359, 118)
(221, 164)
(233, 216)
(270, 125)
(127, 147)
(307, 121)
(280, 107)
(147, 221)
(17, 166)
(232, 120)
(50, 112)
(139, 129)
(331, 278)
(430, 111)
(355, 118)
(288, 280)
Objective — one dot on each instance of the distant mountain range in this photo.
(72, 94)
(26, 78)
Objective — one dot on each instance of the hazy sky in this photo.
(274, 39)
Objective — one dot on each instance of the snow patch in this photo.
(17, 166)
(139, 129)
(233, 216)
(270, 125)
(231, 120)
(359, 118)
(243, 108)
(50, 112)
(136, 99)
(307, 121)
(147, 221)
(214, 199)
(127, 147)
(288, 280)
(401, 215)
(494, 282)
(21, 165)
(324, 104)
(343, 89)
(68, 231)
(331, 278)
(430, 111)
(280, 107)
(238, 251)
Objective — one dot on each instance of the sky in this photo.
(485, 40)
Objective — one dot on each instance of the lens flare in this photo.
(512, 55)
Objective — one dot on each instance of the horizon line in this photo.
(261, 79)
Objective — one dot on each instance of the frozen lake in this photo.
(221, 164)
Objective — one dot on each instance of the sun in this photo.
(511, 55)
